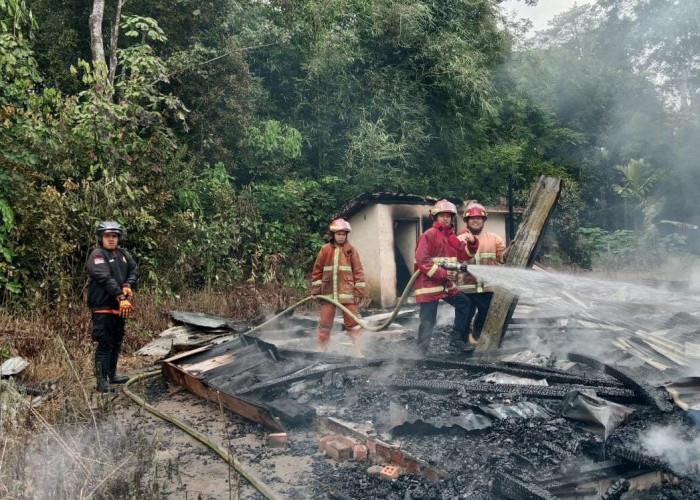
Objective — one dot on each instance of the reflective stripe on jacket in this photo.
(338, 273)
(490, 253)
(432, 249)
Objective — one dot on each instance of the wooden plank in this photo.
(237, 404)
(182, 355)
(522, 253)
(208, 364)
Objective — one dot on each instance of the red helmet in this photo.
(340, 225)
(475, 210)
(443, 206)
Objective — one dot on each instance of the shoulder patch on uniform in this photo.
(123, 258)
(98, 260)
(349, 252)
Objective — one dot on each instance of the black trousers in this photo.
(478, 305)
(428, 317)
(108, 332)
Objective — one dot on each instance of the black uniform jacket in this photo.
(109, 271)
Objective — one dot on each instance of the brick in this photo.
(339, 450)
(374, 470)
(322, 442)
(385, 450)
(389, 472)
(359, 452)
(277, 440)
(337, 447)
(371, 446)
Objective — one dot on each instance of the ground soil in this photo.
(189, 470)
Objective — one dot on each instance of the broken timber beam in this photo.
(237, 404)
(513, 488)
(522, 253)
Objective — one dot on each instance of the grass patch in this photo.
(63, 445)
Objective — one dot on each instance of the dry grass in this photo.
(67, 447)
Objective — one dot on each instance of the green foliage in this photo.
(273, 147)
(384, 93)
(145, 28)
(626, 248)
(638, 179)
(237, 127)
(612, 248)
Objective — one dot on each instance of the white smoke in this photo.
(673, 446)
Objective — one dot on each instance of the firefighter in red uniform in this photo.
(491, 252)
(437, 245)
(338, 275)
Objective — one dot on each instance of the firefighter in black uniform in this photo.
(112, 276)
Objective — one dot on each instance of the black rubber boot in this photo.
(113, 359)
(457, 339)
(101, 367)
(457, 342)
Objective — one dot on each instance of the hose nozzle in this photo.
(454, 266)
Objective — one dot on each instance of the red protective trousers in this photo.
(325, 321)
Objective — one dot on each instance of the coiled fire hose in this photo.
(255, 481)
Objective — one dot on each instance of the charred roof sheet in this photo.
(366, 199)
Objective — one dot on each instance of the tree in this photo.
(96, 43)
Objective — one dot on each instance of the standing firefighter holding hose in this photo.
(112, 273)
(338, 275)
(492, 251)
(439, 245)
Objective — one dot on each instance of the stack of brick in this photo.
(341, 448)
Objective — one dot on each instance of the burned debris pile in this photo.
(504, 424)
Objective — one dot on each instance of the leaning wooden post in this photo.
(522, 253)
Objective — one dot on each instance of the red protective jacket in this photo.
(490, 253)
(438, 244)
(338, 273)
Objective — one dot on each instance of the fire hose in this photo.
(255, 481)
(449, 266)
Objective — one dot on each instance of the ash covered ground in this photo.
(468, 436)
(494, 443)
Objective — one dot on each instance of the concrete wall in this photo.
(373, 236)
(385, 256)
(365, 226)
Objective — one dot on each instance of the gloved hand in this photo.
(125, 306)
(126, 290)
(452, 275)
(467, 237)
(358, 300)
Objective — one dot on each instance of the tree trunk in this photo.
(95, 24)
(522, 253)
(113, 42)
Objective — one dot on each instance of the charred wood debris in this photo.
(506, 423)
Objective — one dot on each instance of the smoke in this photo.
(74, 461)
(676, 448)
(603, 318)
